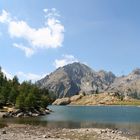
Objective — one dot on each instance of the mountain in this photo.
(128, 86)
(79, 78)
(74, 78)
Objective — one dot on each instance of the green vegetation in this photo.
(23, 96)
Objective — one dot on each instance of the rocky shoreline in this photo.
(24, 113)
(106, 98)
(29, 132)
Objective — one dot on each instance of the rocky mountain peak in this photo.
(136, 71)
(73, 78)
(128, 85)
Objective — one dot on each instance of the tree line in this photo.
(23, 95)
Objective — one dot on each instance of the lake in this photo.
(125, 118)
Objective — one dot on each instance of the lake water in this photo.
(125, 118)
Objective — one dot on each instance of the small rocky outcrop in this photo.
(127, 86)
(66, 101)
(76, 97)
(62, 101)
(24, 113)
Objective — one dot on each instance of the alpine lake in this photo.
(124, 118)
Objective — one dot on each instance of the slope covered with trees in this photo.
(24, 95)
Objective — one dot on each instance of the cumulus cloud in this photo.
(66, 59)
(29, 76)
(49, 36)
(5, 17)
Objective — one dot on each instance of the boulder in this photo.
(76, 97)
(35, 115)
(47, 111)
(7, 115)
(3, 132)
(17, 111)
(62, 101)
(20, 114)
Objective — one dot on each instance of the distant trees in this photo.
(97, 90)
(23, 96)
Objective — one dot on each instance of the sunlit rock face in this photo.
(74, 78)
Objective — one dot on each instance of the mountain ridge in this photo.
(76, 78)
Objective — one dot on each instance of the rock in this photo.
(30, 113)
(3, 132)
(62, 101)
(20, 114)
(35, 111)
(44, 136)
(76, 97)
(7, 115)
(35, 115)
(47, 111)
(73, 78)
(17, 111)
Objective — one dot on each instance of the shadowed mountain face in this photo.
(74, 78)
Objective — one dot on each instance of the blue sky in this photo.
(38, 36)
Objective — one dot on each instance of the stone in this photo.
(7, 115)
(76, 97)
(17, 111)
(35, 115)
(20, 114)
(47, 111)
(3, 132)
(62, 101)
(44, 136)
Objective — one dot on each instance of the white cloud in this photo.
(49, 36)
(5, 17)
(66, 59)
(51, 13)
(29, 76)
(28, 51)
(24, 76)
(7, 74)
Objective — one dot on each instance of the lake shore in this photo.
(30, 132)
(101, 99)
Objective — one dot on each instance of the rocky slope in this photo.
(127, 85)
(78, 78)
(105, 98)
(74, 78)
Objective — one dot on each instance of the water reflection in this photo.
(121, 118)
